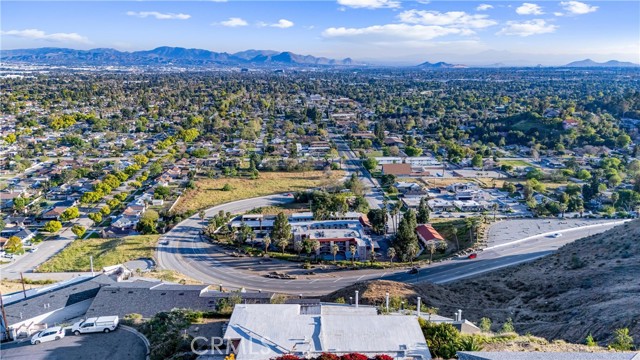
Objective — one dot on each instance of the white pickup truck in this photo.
(96, 324)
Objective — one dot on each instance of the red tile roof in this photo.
(426, 233)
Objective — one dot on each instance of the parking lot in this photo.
(120, 344)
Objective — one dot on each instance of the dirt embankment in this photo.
(591, 286)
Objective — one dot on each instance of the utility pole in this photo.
(4, 318)
(24, 292)
(91, 262)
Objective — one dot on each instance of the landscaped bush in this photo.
(329, 356)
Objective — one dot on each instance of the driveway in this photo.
(117, 345)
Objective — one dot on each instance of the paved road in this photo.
(189, 254)
(117, 345)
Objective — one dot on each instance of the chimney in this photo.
(419, 305)
(357, 292)
(459, 315)
(387, 301)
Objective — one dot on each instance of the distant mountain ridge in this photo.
(441, 65)
(610, 63)
(164, 55)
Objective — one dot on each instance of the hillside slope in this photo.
(589, 286)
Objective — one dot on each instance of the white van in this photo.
(96, 324)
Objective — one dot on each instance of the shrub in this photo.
(382, 357)
(590, 341)
(485, 324)
(622, 341)
(287, 357)
(328, 356)
(227, 187)
(507, 327)
(354, 356)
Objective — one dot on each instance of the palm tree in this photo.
(391, 253)
(282, 244)
(412, 251)
(315, 245)
(563, 208)
(352, 249)
(334, 251)
(297, 247)
(432, 250)
(454, 232)
(266, 241)
(494, 207)
(395, 210)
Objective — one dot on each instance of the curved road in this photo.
(188, 253)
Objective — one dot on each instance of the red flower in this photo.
(328, 356)
(383, 357)
(287, 357)
(354, 356)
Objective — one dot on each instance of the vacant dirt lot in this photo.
(208, 192)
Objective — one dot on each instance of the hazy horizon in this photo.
(383, 32)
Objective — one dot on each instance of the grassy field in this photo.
(208, 192)
(515, 163)
(105, 252)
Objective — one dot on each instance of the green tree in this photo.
(96, 217)
(78, 230)
(14, 245)
(105, 210)
(423, 211)
(281, 232)
(378, 219)
(370, 163)
(52, 226)
(227, 187)
(148, 222)
(476, 161)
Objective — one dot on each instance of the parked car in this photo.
(33, 249)
(414, 270)
(50, 334)
(556, 235)
(472, 256)
(8, 256)
(96, 324)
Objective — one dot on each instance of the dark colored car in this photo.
(413, 270)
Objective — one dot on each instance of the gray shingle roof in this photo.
(48, 301)
(149, 298)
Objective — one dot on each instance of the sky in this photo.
(373, 31)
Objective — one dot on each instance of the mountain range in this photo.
(178, 56)
(610, 63)
(163, 56)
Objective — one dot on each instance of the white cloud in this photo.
(577, 7)
(557, 13)
(283, 24)
(451, 18)
(234, 22)
(370, 4)
(218, 0)
(393, 32)
(527, 28)
(529, 9)
(484, 7)
(158, 15)
(41, 35)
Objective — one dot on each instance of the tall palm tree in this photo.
(412, 251)
(266, 241)
(391, 253)
(315, 245)
(352, 249)
(334, 251)
(395, 210)
(454, 232)
(297, 247)
(494, 207)
(432, 250)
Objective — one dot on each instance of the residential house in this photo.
(310, 329)
(427, 234)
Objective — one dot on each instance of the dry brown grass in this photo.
(10, 286)
(208, 192)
